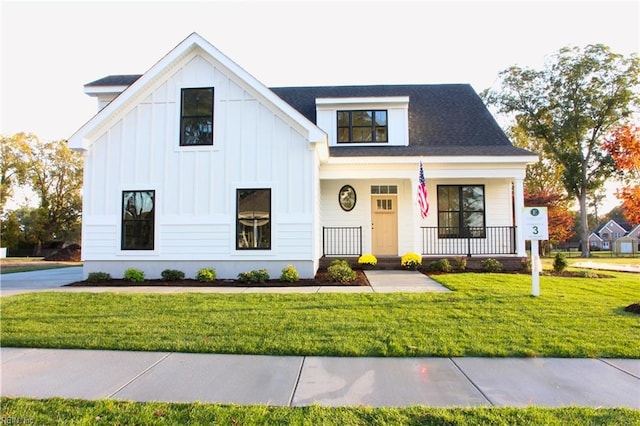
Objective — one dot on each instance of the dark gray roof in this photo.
(115, 80)
(444, 119)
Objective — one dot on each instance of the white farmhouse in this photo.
(197, 164)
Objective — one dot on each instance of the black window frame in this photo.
(240, 226)
(373, 128)
(184, 118)
(460, 230)
(139, 222)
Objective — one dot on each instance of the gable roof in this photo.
(611, 223)
(79, 139)
(444, 119)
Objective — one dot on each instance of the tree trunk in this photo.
(584, 220)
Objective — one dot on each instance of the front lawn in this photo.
(488, 315)
(109, 412)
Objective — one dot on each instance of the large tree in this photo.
(55, 174)
(571, 104)
(13, 164)
(624, 145)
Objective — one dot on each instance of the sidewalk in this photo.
(327, 381)
(55, 279)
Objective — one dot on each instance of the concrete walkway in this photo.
(55, 279)
(327, 381)
(607, 266)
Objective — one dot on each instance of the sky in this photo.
(50, 49)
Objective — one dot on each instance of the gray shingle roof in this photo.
(444, 119)
(115, 80)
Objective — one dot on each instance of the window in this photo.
(362, 126)
(461, 211)
(138, 220)
(253, 225)
(196, 117)
(384, 189)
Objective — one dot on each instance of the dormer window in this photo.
(364, 126)
(196, 116)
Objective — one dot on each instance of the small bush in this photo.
(206, 275)
(172, 275)
(98, 277)
(368, 259)
(133, 275)
(560, 262)
(459, 263)
(255, 276)
(411, 260)
(491, 265)
(341, 272)
(525, 264)
(586, 273)
(339, 262)
(289, 274)
(441, 265)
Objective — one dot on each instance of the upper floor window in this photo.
(461, 211)
(196, 116)
(138, 219)
(365, 126)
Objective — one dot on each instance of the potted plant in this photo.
(411, 261)
(367, 261)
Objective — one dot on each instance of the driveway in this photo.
(22, 282)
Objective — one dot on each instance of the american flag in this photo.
(423, 201)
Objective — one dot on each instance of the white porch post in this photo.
(518, 196)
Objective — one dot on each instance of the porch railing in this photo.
(468, 241)
(342, 241)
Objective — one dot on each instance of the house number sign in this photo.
(347, 198)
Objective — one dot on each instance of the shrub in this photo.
(560, 262)
(133, 275)
(289, 274)
(525, 264)
(255, 276)
(411, 260)
(587, 273)
(368, 259)
(341, 272)
(206, 275)
(459, 263)
(491, 265)
(98, 277)
(172, 275)
(441, 265)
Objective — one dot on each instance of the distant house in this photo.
(605, 235)
(634, 234)
(197, 164)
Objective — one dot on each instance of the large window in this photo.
(196, 116)
(461, 211)
(362, 127)
(138, 220)
(253, 225)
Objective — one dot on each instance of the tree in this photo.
(13, 164)
(570, 105)
(624, 146)
(546, 174)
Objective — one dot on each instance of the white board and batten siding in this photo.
(255, 146)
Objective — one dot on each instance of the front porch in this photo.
(434, 241)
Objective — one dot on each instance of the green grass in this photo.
(78, 412)
(489, 315)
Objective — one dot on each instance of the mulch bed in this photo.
(321, 279)
(633, 308)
